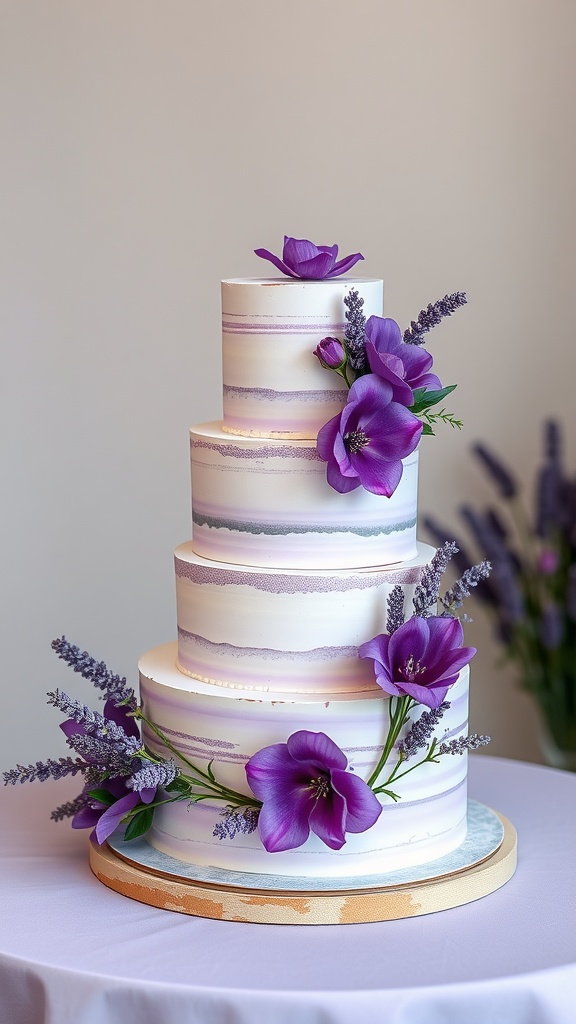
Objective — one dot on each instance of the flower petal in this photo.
(283, 821)
(316, 747)
(112, 817)
(327, 820)
(316, 269)
(345, 264)
(266, 255)
(362, 806)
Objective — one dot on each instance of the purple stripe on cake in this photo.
(286, 529)
(266, 653)
(299, 326)
(279, 451)
(269, 395)
(280, 583)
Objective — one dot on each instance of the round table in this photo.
(74, 952)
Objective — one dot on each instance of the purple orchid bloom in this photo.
(304, 787)
(365, 444)
(421, 659)
(103, 817)
(301, 258)
(405, 367)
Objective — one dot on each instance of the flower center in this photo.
(321, 785)
(411, 669)
(354, 440)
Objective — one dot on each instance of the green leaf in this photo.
(102, 796)
(178, 785)
(427, 430)
(139, 823)
(424, 399)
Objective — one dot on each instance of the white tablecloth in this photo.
(74, 952)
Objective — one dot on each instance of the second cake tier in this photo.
(288, 631)
(266, 502)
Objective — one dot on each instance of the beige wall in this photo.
(147, 148)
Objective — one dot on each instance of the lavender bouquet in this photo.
(531, 594)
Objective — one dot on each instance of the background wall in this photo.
(147, 148)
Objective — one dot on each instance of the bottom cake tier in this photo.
(223, 728)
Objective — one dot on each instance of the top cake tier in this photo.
(273, 384)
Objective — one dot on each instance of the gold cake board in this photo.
(280, 906)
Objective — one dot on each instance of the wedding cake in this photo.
(308, 726)
(304, 505)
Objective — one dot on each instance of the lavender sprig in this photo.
(464, 743)
(44, 770)
(432, 315)
(104, 758)
(94, 723)
(153, 774)
(114, 686)
(470, 578)
(427, 592)
(501, 475)
(395, 606)
(355, 333)
(420, 731)
(71, 807)
(236, 821)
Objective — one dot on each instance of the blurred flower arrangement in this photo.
(531, 594)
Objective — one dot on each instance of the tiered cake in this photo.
(282, 582)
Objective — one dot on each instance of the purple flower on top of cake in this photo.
(405, 367)
(364, 445)
(301, 258)
(420, 660)
(304, 787)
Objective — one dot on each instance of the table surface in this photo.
(72, 950)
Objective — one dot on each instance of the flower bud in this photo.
(331, 353)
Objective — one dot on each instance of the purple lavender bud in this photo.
(355, 333)
(551, 627)
(552, 440)
(331, 353)
(548, 507)
(432, 315)
(501, 476)
(464, 743)
(96, 672)
(237, 821)
(395, 610)
(547, 562)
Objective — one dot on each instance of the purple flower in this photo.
(301, 258)
(421, 660)
(304, 787)
(365, 444)
(331, 353)
(405, 367)
(104, 815)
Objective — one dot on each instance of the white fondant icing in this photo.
(262, 501)
(270, 328)
(211, 725)
(283, 629)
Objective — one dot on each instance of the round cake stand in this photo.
(278, 903)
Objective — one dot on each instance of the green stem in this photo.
(215, 788)
(399, 708)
